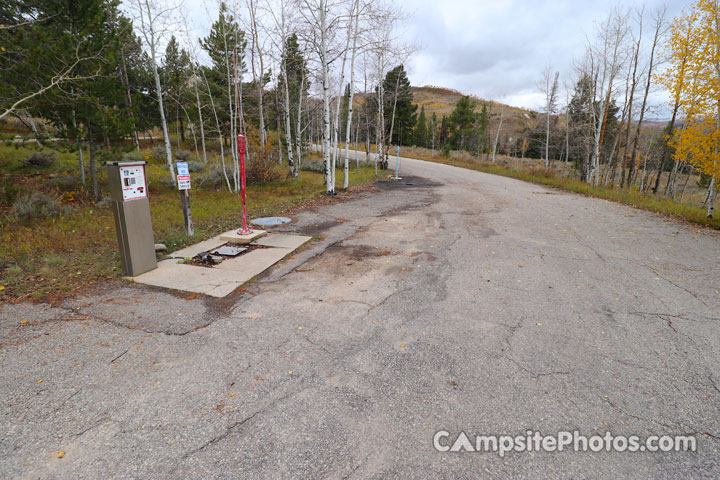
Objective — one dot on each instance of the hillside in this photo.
(441, 101)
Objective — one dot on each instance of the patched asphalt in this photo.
(450, 300)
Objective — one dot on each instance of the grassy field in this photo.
(50, 257)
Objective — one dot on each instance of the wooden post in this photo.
(187, 215)
(183, 183)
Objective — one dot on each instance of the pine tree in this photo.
(399, 97)
(462, 123)
(421, 132)
(176, 71)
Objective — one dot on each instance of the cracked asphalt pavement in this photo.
(451, 300)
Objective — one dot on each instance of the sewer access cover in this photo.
(270, 221)
(228, 251)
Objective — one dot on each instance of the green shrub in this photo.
(105, 202)
(64, 183)
(8, 193)
(181, 155)
(195, 166)
(164, 181)
(35, 204)
(312, 165)
(214, 177)
(262, 167)
(39, 160)
(134, 156)
(158, 153)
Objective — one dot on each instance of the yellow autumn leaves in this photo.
(693, 79)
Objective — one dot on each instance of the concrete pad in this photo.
(234, 237)
(224, 278)
(192, 250)
(191, 278)
(282, 240)
(254, 262)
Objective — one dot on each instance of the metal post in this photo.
(241, 151)
(397, 160)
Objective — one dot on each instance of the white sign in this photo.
(183, 176)
(183, 182)
(132, 178)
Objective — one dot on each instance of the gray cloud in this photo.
(497, 50)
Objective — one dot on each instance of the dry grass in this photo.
(55, 256)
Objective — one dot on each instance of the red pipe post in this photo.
(241, 151)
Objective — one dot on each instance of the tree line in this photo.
(106, 74)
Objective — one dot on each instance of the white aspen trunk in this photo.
(220, 137)
(567, 140)
(392, 120)
(329, 186)
(711, 198)
(81, 162)
(381, 126)
(229, 80)
(547, 140)
(346, 169)
(191, 127)
(298, 131)
(148, 26)
(336, 124)
(200, 119)
(258, 78)
(288, 132)
(286, 95)
(497, 134)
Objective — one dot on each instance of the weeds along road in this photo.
(451, 300)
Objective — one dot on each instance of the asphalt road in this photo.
(449, 301)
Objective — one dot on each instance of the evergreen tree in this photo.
(397, 86)
(176, 71)
(298, 77)
(483, 121)
(224, 39)
(462, 123)
(421, 132)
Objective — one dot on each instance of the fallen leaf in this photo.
(289, 372)
(233, 394)
(61, 454)
(539, 324)
(40, 381)
(402, 345)
(299, 328)
(2, 288)
(25, 321)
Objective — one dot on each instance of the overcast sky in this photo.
(497, 49)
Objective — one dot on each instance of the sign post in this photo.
(183, 183)
(241, 151)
